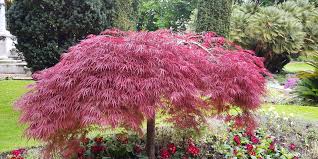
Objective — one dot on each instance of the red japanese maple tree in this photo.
(122, 78)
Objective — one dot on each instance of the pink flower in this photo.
(295, 157)
(249, 147)
(254, 139)
(292, 147)
(237, 140)
(18, 152)
(172, 148)
(165, 154)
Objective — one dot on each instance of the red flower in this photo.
(98, 140)
(254, 139)
(237, 140)
(292, 147)
(193, 150)
(85, 141)
(81, 151)
(165, 154)
(137, 149)
(252, 153)
(172, 148)
(235, 152)
(295, 157)
(98, 148)
(18, 152)
(249, 147)
(272, 146)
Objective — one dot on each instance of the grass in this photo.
(301, 112)
(294, 67)
(10, 130)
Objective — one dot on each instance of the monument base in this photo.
(10, 66)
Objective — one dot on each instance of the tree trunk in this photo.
(151, 132)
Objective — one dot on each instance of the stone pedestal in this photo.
(8, 65)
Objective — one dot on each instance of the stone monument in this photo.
(8, 64)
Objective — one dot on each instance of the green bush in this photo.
(271, 32)
(308, 87)
(305, 12)
(46, 28)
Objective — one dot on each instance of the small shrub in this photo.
(308, 87)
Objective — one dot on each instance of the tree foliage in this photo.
(123, 78)
(214, 16)
(45, 28)
(125, 15)
(173, 14)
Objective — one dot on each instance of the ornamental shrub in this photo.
(46, 28)
(272, 32)
(308, 87)
(121, 79)
(307, 14)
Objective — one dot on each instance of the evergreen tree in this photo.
(45, 28)
(214, 16)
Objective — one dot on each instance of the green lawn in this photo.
(298, 66)
(301, 112)
(10, 131)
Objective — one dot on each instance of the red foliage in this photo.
(121, 78)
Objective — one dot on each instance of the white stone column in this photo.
(6, 42)
(2, 16)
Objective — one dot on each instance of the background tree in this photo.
(173, 14)
(125, 15)
(214, 16)
(123, 78)
(45, 28)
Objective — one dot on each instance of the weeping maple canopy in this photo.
(122, 78)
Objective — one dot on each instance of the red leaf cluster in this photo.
(121, 78)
